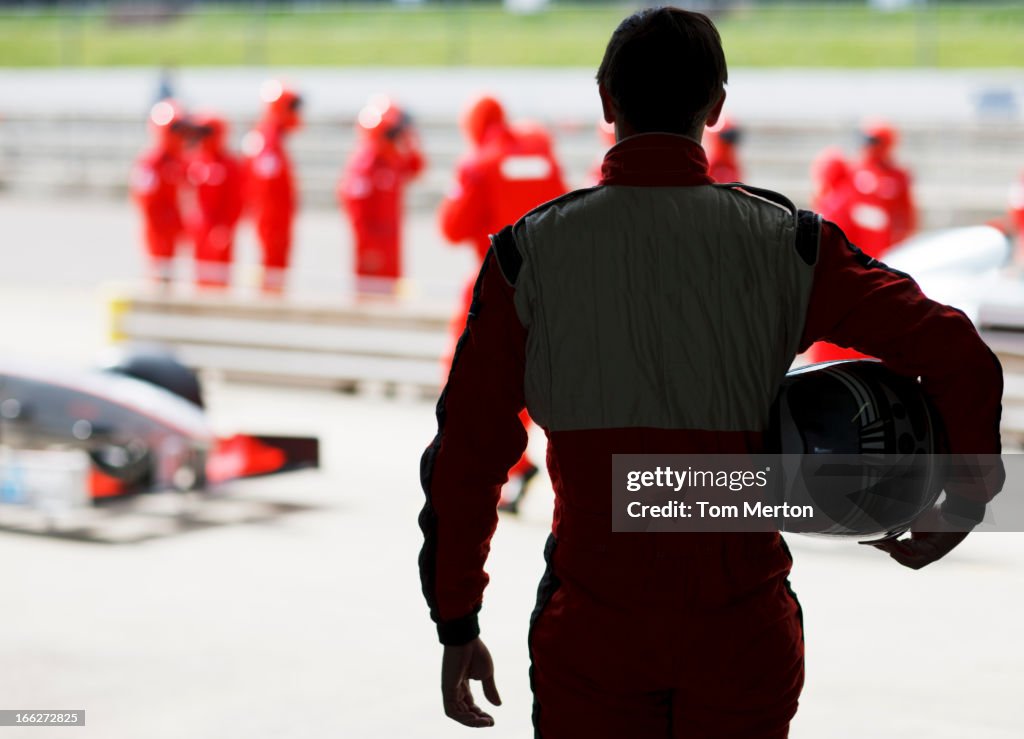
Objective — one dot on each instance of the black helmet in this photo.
(859, 443)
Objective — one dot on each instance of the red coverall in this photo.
(834, 199)
(509, 171)
(370, 191)
(1017, 216)
(882, 206)
(156, 177)
(721, 144)
(606, 134)
(655, 635)
(216, 176)
(270, 190)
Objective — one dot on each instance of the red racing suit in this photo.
(882, 205)
(217, 178)
(512, 171)
(657, 313)
(1017, 216)
(271, 199)
(155, 180)
(834, 202)
(723, 160)
(370, 191)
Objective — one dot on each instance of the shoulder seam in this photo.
(571, 195)
(767, 196)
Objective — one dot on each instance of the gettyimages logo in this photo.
(865, 495)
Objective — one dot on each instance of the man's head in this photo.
(481, 117)
(663, 70)
(382, 121)
(879, 139)
(282, 105)
(169, 125)
(211, 131)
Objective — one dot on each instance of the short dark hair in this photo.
(664, 69)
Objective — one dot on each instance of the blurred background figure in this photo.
(386, 158)
(508, 170)
(883, 207)
(721, 143)
(833, 190)
(606, 135)
(216, 175)
(1017, 217)
(155, 180)
(834, 198)
(270, 196)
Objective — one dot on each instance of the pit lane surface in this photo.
(312, 624)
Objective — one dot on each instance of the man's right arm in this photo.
(861, 303)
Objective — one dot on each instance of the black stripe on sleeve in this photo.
(507, 253)
(808, 236)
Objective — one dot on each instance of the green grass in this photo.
(847, 36)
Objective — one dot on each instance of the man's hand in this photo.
(458, 666)
(923, 547)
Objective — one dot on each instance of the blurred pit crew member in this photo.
(215, 174)
(833, 189)
(270, 195)
(834, 197)
(508, 170)
(156, 178)
(721, 142)
(882, 207)
(1017, 216)
(658, 313)
(606, 135)
(386, 159)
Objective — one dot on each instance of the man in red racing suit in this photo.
(370, 192)
(271, 196)
(216, 175)
(883, 205)
(156, 179)
(1017, 216)
(721, 142)
(508, 170)
(657, 313)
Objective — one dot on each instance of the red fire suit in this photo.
(882, 204)
(723, 160)
(721, 144)
(1017, 216)
(593, 312)
(834, 200)
(370, 191)
(271, 199)
(511, 172)
(216, 176)
(155, 180)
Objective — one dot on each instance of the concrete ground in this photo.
(312, 623)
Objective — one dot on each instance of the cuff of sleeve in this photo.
(962, 512)
(459, 631)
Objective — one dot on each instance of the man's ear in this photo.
(607, 105)
(716, 111)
